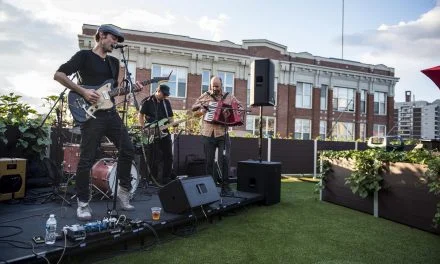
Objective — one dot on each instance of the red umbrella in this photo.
(433, 74)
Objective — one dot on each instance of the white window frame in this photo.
(303, 127)
(343, 131)
(379, 130)
(303, 95)
(344, 99)
(226, 77)
(363, 101)
(205, 82)
(323, 99)
(132, 70)
(178, 74)
(363, 131)
(380, 103)
(252, 125)
(323, 129)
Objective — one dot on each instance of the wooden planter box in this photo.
(404, 198)
(337, 192)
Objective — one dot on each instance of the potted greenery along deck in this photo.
(400, 186)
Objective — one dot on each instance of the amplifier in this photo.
(12, 178)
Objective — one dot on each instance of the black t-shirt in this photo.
(91, 68)
(155, 110)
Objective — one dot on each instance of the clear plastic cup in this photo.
(155, 213)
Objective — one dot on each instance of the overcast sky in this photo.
(36, 36)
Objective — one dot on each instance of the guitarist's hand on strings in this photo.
(90, 95)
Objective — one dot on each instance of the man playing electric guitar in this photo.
(159, 154)
(94, 67)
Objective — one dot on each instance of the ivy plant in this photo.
(33, 138)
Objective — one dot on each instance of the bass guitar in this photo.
(82, 110)
(155, 130)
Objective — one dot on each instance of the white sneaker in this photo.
(84, 212)
(124, 199)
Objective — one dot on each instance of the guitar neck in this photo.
(172, 124)
(123, 91)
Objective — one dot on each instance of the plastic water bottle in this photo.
(51, 229)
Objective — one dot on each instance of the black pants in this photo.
(160, 159)
(107, 123)
(210, 145)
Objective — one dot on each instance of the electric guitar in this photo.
(150, 129)
(82, 110)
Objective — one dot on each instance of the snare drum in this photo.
(71, 157)
(104, 173)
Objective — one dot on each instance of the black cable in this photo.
(20, 230)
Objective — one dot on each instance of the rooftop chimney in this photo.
(407, 96)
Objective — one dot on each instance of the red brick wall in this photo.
(370, 114)
(316, 107)
(282, 113)
(390, 114)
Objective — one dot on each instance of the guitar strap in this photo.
(215, 99)
(113, 70)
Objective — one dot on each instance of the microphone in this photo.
(118, 46)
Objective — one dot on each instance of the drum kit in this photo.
(103, 172)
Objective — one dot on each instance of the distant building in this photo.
(315, 96)
(417, 119)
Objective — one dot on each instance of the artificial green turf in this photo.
(300, 229)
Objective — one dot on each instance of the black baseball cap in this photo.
(164, 89)
(108, 28)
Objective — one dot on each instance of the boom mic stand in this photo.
(128, 84)
(55, 185)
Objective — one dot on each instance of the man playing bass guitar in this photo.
(156, 108)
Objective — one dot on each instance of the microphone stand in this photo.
(55, 187)
(128, 84)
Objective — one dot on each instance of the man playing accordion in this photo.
(220, 110)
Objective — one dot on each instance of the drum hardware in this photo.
(104, 174)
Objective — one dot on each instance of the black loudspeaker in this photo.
(262, 83)
(260, 177)
(181, 195)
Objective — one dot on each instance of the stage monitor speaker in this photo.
(181, 195)
(12, 178)
(260, 177)
(262, 83)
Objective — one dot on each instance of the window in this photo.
(363, 101)
(363, 131)
(343, 131)
(206, 79)
(228, 81)
(177, 81)
(380, 103)
(248, 94)
(303, 95)
(379, 130)
(343, 99)
(253, 125)
(132, 71)
(302, 129)
(323, 100)
(323, 129)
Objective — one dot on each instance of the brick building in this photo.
(315, 96)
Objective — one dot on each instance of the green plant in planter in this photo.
(433, 181)
(32, 139)
(367, 176)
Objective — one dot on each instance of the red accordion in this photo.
(215, 114)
